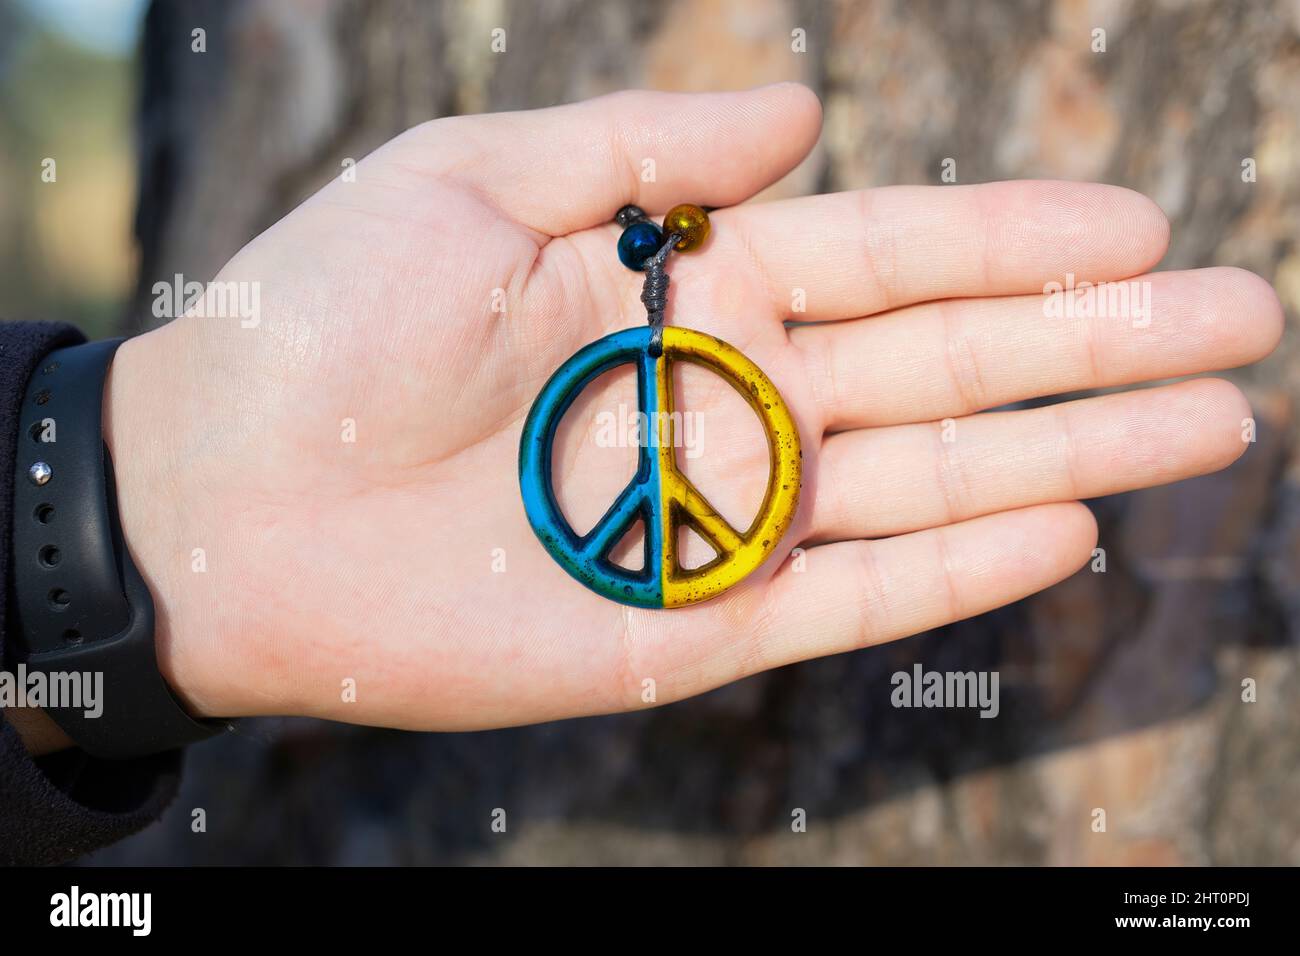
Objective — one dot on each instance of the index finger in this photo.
(859, 253)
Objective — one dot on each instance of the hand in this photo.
(328, 560)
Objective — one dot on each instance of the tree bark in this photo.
(1120, 690)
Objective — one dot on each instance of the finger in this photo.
(567, 168)
(885, 481)
(942, 360)
(858, 593)
(859, 253)
(854, 594)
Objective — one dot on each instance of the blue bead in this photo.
(639, 242)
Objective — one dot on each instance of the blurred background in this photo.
(1120, 691)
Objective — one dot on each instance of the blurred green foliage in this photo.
(66, 250)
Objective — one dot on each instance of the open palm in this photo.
(348, 467)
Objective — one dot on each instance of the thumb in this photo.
(571, 167)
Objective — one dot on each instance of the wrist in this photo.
(39, 734)
(141, 430)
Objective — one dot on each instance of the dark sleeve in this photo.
(60, 806)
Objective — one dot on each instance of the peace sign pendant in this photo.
(659, 495)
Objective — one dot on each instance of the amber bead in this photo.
(691, 223)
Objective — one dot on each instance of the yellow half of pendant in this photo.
(738, 553)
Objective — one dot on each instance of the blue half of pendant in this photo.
(586, 557)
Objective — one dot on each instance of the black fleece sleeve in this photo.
(60, 806)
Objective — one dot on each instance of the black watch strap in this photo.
(82, 607)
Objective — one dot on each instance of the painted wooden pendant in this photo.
(659, 495)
